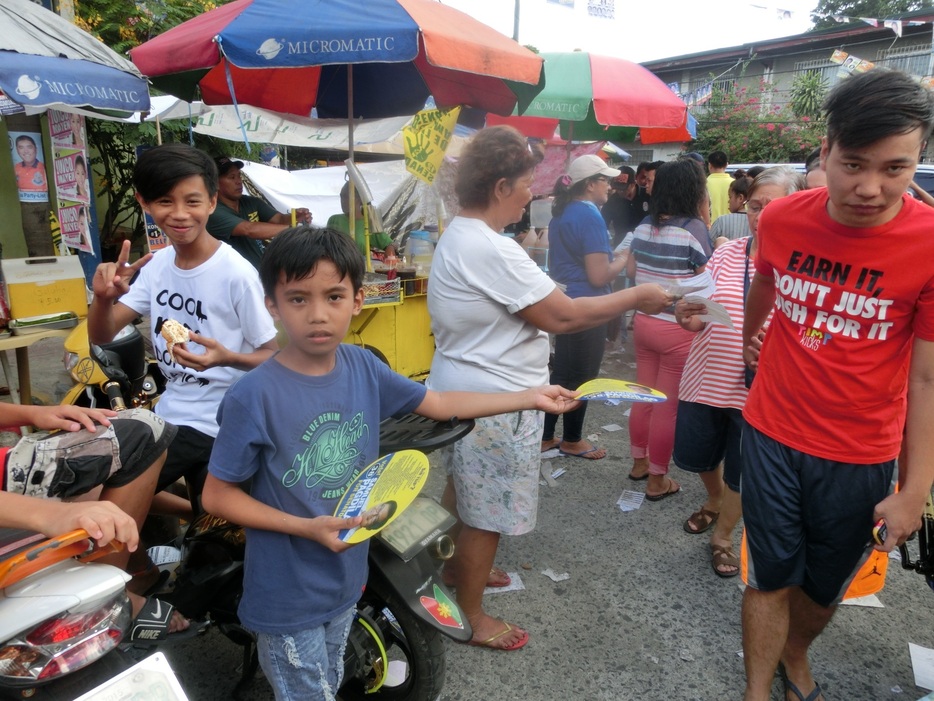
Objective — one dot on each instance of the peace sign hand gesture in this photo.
(112, 280)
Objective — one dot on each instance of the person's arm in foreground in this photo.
(441, 406)
(601, 271)
(902, 510)
(102, 520)
(759, 303)
(922, 194)
(229, 501)
(268, 229)
(216, 354)
(688, 314)
(56, 417)
(558, 313)
(111, 281)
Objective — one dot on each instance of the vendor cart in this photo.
(394, 325)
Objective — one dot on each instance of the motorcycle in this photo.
(116, 375)
(62, 616)
(395, 648)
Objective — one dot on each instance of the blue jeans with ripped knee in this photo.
(306, 665)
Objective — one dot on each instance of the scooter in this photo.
(116, 375)
(62, 616)
(395, 648)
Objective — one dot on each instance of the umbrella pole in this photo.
(569, 147)
(353, 190)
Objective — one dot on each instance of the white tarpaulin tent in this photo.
(318, 189)
(378, 136)
(403, 200)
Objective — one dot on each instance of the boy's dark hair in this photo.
(871, 106)
(812, 162)
(161, 168)
(295, 253)
(717, 159)
(26, 137)
(679, 188)
(640, 169)
(654, 165)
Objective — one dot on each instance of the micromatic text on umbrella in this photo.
(335, 46)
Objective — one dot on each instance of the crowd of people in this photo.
(792, 418)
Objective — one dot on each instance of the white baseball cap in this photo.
(584, 167)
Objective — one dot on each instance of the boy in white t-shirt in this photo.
(198, 281)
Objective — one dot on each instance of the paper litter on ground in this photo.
(627, 412)
(558, 471)
(551, 453)
(612, 427)
(554, 576)
(922, 663)
(870, 601)
(630, 501)
(515, 585)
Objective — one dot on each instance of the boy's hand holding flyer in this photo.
(381, 492)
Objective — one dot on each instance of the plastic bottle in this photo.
(419, 251)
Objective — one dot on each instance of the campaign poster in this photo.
(71, 176)
(29, 166)
(67, 130)
(71, 168)
(75, 223)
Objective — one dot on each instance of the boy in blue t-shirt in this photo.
(302, 426)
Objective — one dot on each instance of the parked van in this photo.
(924, 176)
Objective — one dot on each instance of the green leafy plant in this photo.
(807, 94)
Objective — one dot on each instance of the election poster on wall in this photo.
(29, 166)
(72, 178)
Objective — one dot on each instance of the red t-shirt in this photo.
(832, 378)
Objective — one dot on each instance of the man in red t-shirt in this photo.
(847, 368)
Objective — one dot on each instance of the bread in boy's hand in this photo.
(174, 333)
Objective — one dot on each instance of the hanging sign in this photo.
(426, 140)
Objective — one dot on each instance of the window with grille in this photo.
(829, 72)
(914, 60)
(637, 155)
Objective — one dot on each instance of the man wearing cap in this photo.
(621, 212)
(244, 221)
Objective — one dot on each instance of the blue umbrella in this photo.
(45, 61)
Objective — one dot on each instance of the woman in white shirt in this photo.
(491, 311)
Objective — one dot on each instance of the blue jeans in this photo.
(306, 665)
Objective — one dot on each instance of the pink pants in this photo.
(661, 350)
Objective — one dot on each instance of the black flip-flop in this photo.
(667, 493)
(788, 685)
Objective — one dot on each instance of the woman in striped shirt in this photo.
(713, 389)
(670, 246)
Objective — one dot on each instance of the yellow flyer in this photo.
(615, 391)
(381, 492)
